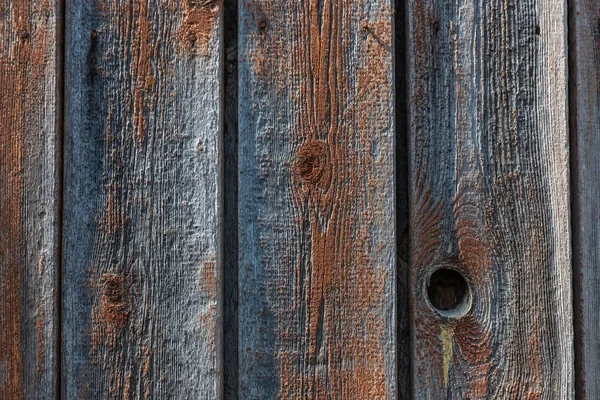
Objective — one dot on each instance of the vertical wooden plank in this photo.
(316, 200)
(142, 254)
(29, 197)
(490, 199)
(584, 32)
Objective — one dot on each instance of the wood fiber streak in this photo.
(316, 190)
(142, 253)
(29, 177)
(490, 197)
(584, 33)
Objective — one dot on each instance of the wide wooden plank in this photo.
(142, 254)
(584, 32)
(490, 199)
(30, 112)
(317, 270)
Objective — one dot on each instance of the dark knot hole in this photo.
(447, 289)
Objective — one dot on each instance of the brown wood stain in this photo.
(331, 336)
(23, 62)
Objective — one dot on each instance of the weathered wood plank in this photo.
(29, 197)
(490, 198)
(316, 200)
(584, 32)
(142, 254)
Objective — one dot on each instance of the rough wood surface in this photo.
(29, 197)
(316, 200)
(490, 197)
(584, 32)
(142, 244)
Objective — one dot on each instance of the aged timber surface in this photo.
(142, 258)
(317, 270)
(584, 32)
(490, 198)
(29, 187)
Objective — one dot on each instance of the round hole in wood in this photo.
(448, 292)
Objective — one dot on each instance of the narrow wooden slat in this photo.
(29, 197)
(490, 198)
(584, 32)
(316, 200)
(142, 255)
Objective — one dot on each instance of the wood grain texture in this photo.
(30, 112)
(584, 33)
(142, 254)
(317, 265)
(489, 181)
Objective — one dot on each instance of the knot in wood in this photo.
(113, 289)
(114, 307)
(310, 161)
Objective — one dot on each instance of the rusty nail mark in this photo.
(94, 34)
(262, 25)
(365, 27)
(24, 34)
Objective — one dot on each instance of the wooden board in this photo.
(584, 32)
(489, 178)
(29, 197)
(142, 244)
(317, 269)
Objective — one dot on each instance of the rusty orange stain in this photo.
(209, 278)
(114, 300)
(111, 315)
(337, 348)
(198, 24)
(24, 62)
